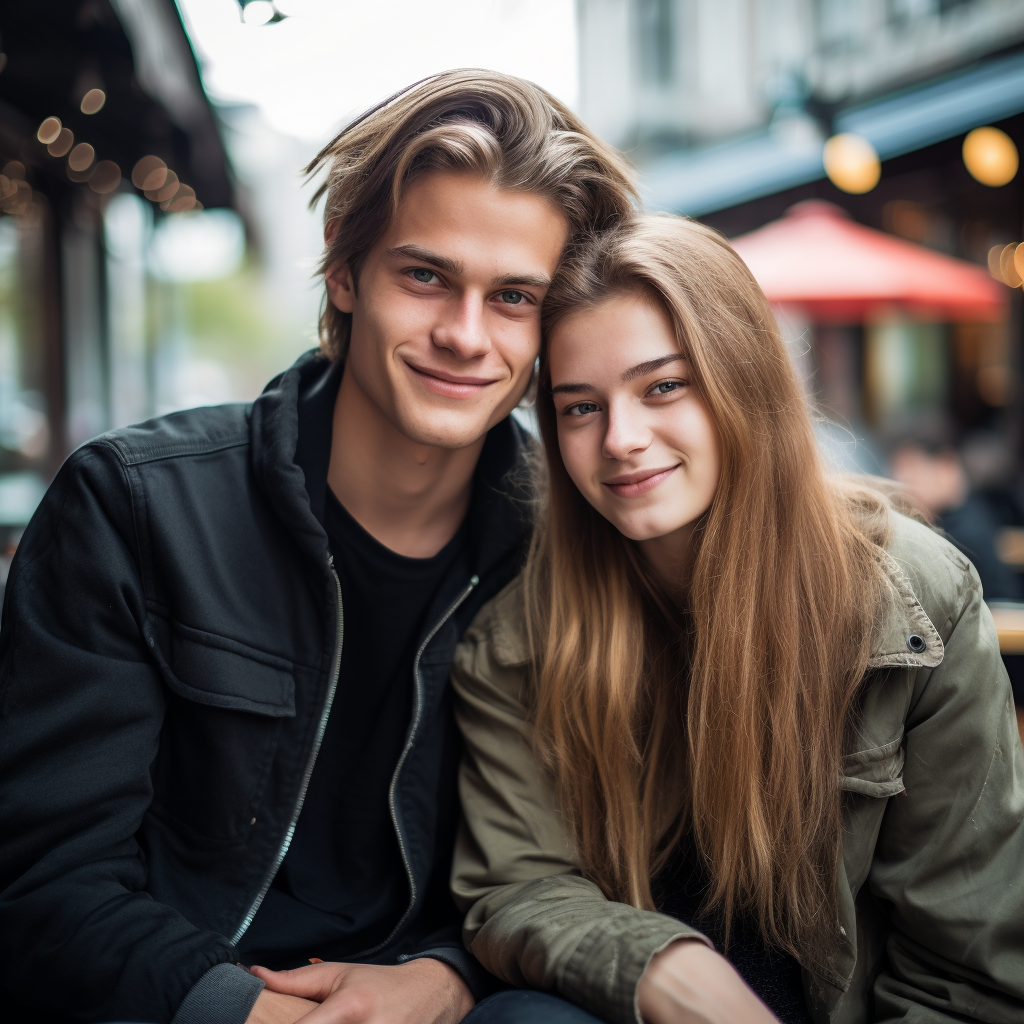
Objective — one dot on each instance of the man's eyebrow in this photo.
(642, 369)
(534, 280)
(421, 255)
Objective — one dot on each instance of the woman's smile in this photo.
(633, 485)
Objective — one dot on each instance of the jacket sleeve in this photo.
(949, 860)
(532, 919)
(81, 709)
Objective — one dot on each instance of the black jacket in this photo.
(168, 657)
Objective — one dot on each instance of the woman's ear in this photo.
(341, 287)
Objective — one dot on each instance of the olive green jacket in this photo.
(931, 879)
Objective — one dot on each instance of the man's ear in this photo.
(341, 287)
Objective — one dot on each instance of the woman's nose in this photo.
(625, 433)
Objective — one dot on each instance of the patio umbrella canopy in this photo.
(841, 271)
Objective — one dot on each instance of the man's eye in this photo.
(666, 387)
(423, 276)
(582, 409)
(512, 297)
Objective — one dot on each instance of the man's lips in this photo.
(451, 384)
(632, 485)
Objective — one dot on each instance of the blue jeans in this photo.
(524, 1006)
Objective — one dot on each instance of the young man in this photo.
(225, 729)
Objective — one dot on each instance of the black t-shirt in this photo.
(680, 891)
(343, 887)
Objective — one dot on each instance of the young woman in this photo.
(739, 743)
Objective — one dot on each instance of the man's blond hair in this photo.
(506, 129)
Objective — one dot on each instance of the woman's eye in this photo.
(666, 387)
(582, 409)
(512, 297)
(423, 276)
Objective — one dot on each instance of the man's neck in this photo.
(411, 497)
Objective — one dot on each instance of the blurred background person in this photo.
(932, 470)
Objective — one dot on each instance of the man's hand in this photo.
(275, 1008)
(688, 983)
(419, 992)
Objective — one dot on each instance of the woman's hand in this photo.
(688, 983)
(424, 991)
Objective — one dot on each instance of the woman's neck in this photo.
(671, 559)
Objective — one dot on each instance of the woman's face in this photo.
(635, 436)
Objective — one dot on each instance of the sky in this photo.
(331, 59)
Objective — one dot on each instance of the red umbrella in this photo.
(839, 270)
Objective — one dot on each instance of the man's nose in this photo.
(625, 433)
(463, 329)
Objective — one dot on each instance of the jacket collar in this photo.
(290, 431)
(904, 636)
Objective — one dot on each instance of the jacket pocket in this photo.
(226, 706)
(877, 772)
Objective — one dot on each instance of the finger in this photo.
(314, 982)
(342, 1007)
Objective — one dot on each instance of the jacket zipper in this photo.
(417, 714)
(324, 715)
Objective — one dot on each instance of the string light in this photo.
(105, 177)
(93, 100)
(49, 130)
(990, 156)
(851, 163)
(61, 146)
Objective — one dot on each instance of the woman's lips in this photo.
(449, 384)
(632, 485)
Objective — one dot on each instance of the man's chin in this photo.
(454, 433)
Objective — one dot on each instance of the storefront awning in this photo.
(787, 155)
(841, 271)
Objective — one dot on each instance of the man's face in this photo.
(446, 314)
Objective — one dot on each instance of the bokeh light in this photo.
(851, 163)
(61, 146)
(1006, 266)
(93, 100)
(990, 156)
(149, 173)
(105, 178)
(166, 190)
(81, 157)
(49, 130)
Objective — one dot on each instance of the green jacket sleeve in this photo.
(948, 865)
(532, 919)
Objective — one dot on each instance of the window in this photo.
(654, 25)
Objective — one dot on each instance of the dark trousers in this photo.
(524, 1006)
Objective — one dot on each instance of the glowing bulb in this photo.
(851, 163)
(990, 156)
(105, 178)
(62, 144)
(81, 157)
(257, 12)
(1007, 270)
(93, 100)
(48, 130)
(149, 173)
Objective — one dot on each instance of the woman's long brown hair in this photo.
(726, 717)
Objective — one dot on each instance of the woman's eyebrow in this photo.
(571, 389)
(642, 369)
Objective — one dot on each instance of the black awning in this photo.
(137, 53)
